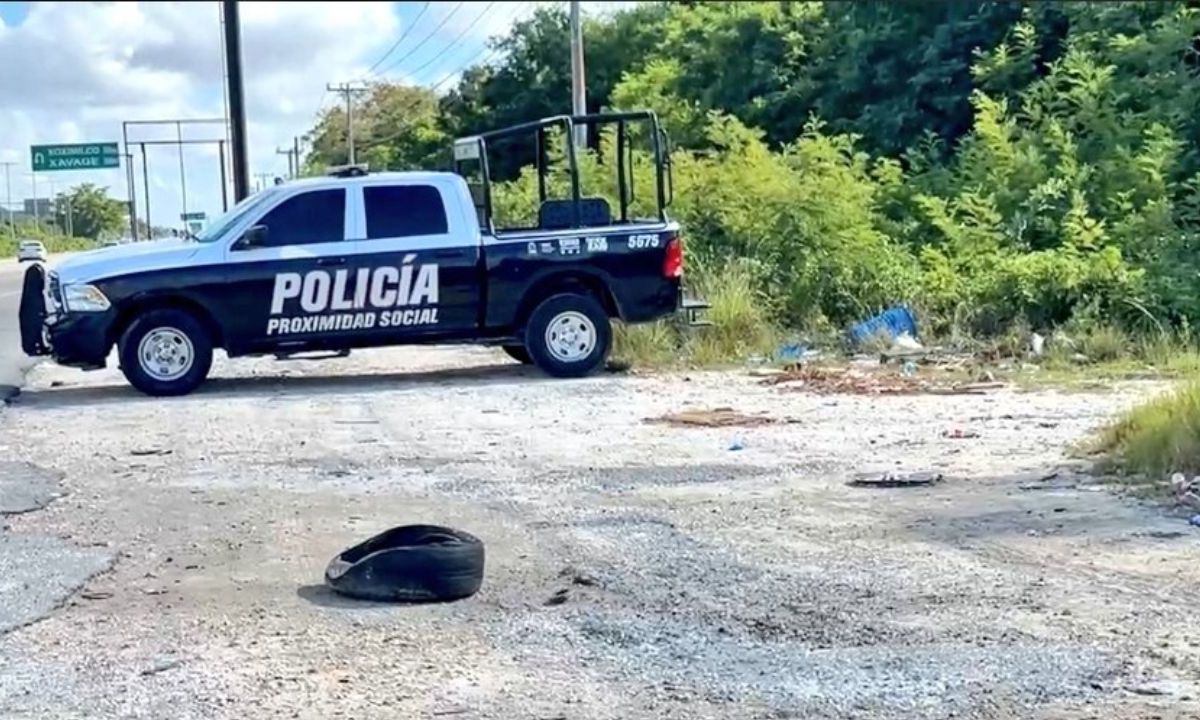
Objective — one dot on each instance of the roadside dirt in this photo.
(716, 583)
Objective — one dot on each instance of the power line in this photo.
(449, 76)
(522, 9)
(416, 73)
(399, 40)
(425, 40)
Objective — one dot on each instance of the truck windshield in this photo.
(248, 205)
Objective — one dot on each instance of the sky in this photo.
(74, 72)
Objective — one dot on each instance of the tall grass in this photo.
(1159, 437)
(739, 314)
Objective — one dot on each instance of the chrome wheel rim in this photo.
(571, 336)
(166, 354)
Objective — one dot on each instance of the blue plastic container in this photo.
(895, 321)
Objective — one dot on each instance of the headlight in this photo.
(84, 298)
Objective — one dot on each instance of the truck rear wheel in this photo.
(518, 353)
(568, 335)
(166, 352)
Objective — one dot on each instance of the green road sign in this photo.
(192, 216)
(81, 156)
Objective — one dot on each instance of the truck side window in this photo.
(318, 216)
(404, 211)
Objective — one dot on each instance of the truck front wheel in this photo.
(568, 335)
(166, 352)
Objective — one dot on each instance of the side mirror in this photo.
(256, 236)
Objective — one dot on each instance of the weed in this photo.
(1159, 437)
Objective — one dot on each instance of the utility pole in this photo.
(291, 162)
(349, 90)
(237, 101)
(12, 224)
(296, 151)
(262, 180)
(37, 216)
(578, 86)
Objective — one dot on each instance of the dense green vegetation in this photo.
(998, 166)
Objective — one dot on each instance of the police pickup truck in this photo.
(356, 259)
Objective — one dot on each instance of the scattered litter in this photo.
(153, 591)
(162, 666)
(891, 479)
(716, 417)
(1037, 345)
(365, 421)
(1080, 359)
(1150, 689)
(558, 598)
(790, 353)
(578, 577)
(56, 383)
(139, 452)
(1195, 520)
(855, 381)
(1163, 534)
(1047, 482)
(960, 434)
(909, 369)
(737, 444)
(96, 594)
(894, 321)
(905, 343)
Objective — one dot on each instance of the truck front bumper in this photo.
(80, 340)
(73, 339)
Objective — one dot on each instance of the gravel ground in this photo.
(702, 582)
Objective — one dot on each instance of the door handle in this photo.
(328, 261)
(448, 254)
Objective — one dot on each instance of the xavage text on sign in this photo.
(368, 298)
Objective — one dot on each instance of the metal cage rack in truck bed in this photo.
(577, 212)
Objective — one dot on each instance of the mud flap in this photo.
(33, 312)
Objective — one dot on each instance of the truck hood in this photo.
(126, 259)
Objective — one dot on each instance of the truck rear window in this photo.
(404, 211)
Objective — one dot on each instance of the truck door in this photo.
(419, 259)
(284, 273)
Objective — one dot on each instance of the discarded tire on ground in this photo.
(411, 563)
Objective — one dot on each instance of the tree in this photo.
(397, 127)
(89, 212)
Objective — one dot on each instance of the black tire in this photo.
(518, 353)
(554, 310)
(186, 325)
(411, 563)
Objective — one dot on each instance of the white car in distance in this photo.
(31, 250)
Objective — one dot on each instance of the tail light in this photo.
(673, 262)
